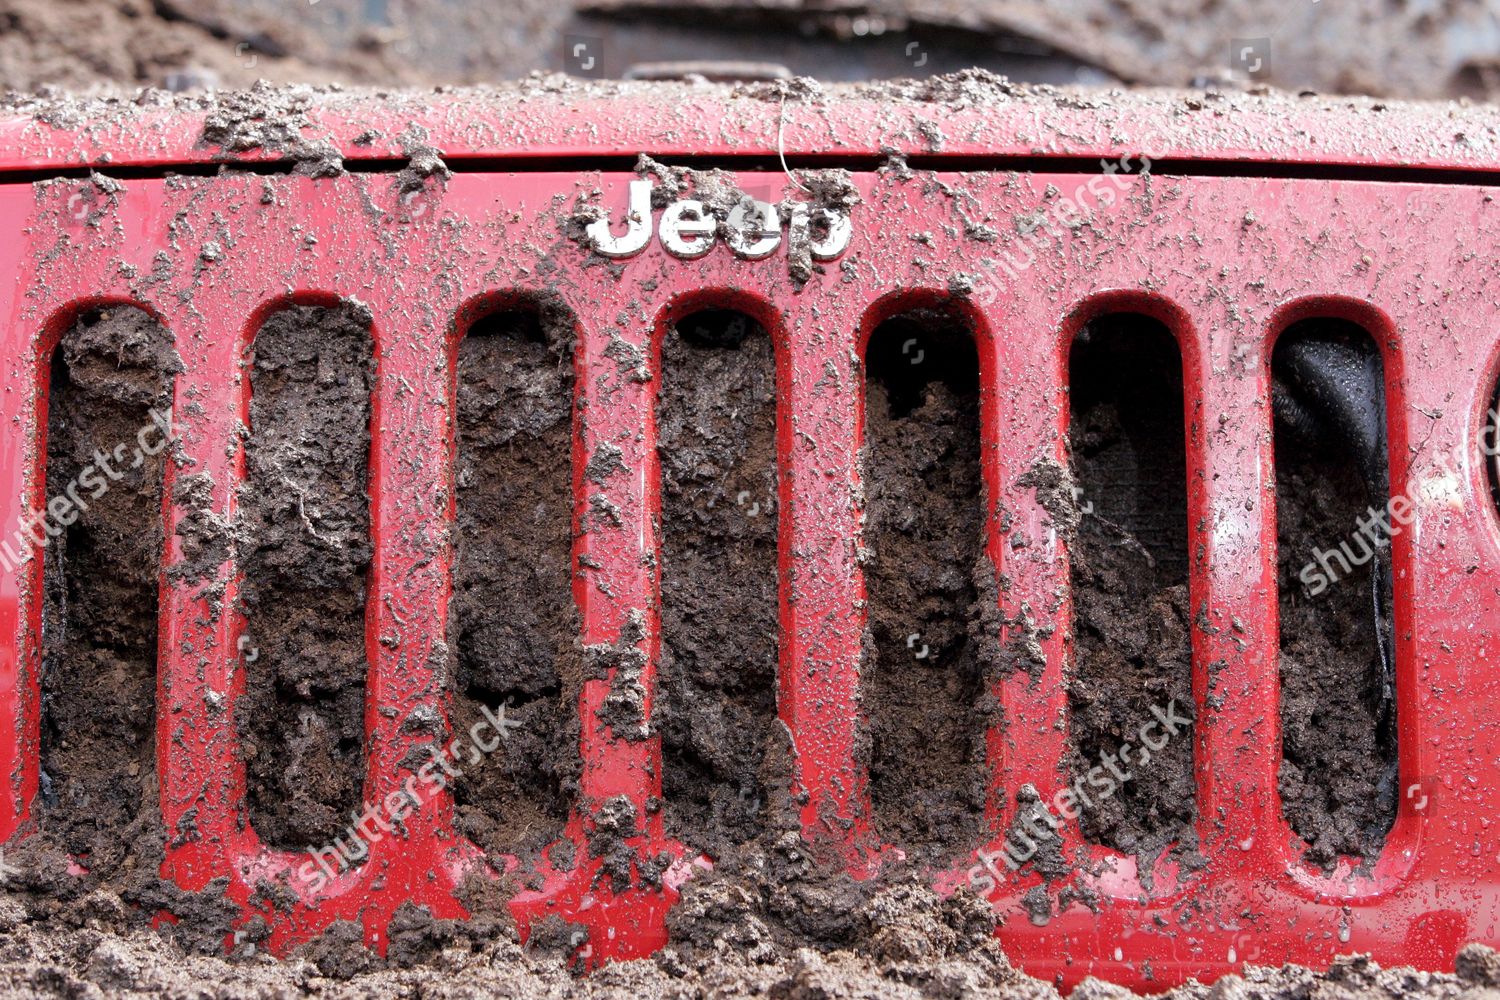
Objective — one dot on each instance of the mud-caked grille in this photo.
(1222, 264)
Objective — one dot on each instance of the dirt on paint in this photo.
(514, 629)
(924, 684)
(1131, 635)
(305, 517)
(716, 702)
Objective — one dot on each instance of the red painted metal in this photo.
(1226, 262)
(554, 117)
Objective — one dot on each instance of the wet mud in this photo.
(923, 683)
(769, 919)
(716, 700)
(513, 624)
(305, 518)
(1338, 770)
(1131, 632)
(106, 454)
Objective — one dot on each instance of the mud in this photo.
(900, 941)
(110, 371)
(514, 628)
(716, 702)
(923, 680)
(305, 517)
(94, 848)
(1338, 778)
(905, 944)
(1132, 648)
(768, 920)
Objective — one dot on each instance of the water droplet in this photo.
(1233, 957)
(1344, 933)
(1119, 955)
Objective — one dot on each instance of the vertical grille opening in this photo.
(305, 511)
(922, 677)
(1338, 775)
(108, 441)
(1130, 690)
(716, 706)
(513, 622)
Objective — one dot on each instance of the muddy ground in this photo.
(911, 946)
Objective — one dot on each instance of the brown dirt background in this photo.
(1396, 48)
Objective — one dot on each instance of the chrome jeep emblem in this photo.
(753, 230)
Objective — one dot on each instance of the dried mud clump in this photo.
(910, 946)
(1131, 634)
(108, 426)
(966, 88)
(305, 512)
(924, 682)
(272, 119)
(513, 625)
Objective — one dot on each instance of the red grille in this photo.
(1225, 262)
